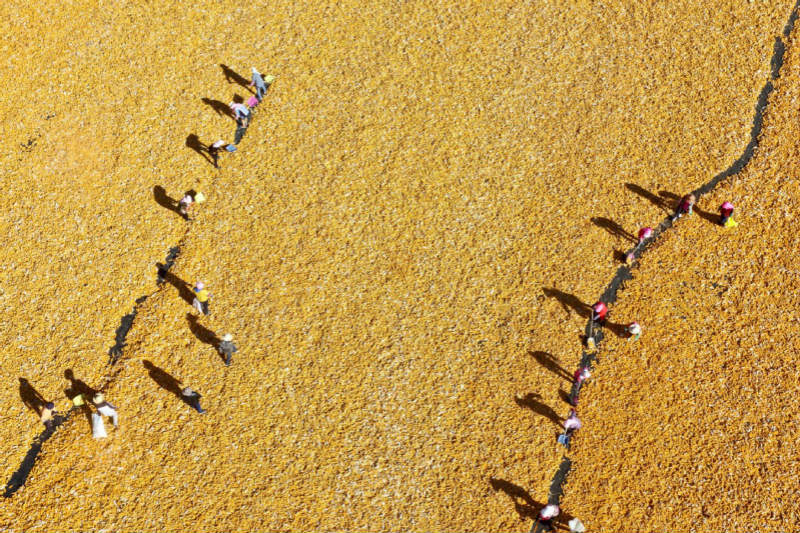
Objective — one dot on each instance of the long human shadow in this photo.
(613, 228)
(654, 199)
(569, 302)
(525, 506)
(234, 77)
(19, 477)
(77, 386)
(164, 200)
(184, 290)
(193, 142)
(166, 381)
(551, 363)
(221, 108)
(31, 398)
(533, 402)
(162, 378)
(202, 333)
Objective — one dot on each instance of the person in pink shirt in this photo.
(571, 425)
(644, 234)
(581, 375)
(725, 212)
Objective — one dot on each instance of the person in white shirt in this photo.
(105, 408)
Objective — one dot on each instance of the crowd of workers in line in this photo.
(599, 313)
(88, 398)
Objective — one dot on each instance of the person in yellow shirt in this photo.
(201, 297)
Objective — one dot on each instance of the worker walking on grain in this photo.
(685, 206)
(726, 215)
(201, 297)
(242, 115)
(192, 398)
(581, 375)
(184, 205)
(260, 85)
(105, 408)
(571, 424)
(634, 330)
(599, 312)
(47, 414)
(216, 148)
(547, 515)
(226, 348)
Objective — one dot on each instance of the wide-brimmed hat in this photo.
(227, 337)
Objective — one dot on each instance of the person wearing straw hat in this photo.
(227, 348)
(105, 408)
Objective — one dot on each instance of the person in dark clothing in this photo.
(192, 398)
(227, 348)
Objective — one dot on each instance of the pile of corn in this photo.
(378, 247)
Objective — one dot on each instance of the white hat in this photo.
(98, 398)
(199, 285)
(187, 391)
(576, 526)
(227, 337)
(549, 511)
(254, 70)
(231, 104)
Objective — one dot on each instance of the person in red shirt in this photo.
(599, 312)
(686, 206)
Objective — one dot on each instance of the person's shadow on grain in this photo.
(550, 362)
(184, 290)
(234, 77)
(613, 228)
(654, 199)
(193, 142)
(31, 398)
(202, 333)
(221, 108)
(569, 302)
(533, 402)
(525, 506)
(162, 378)
(164, 200)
